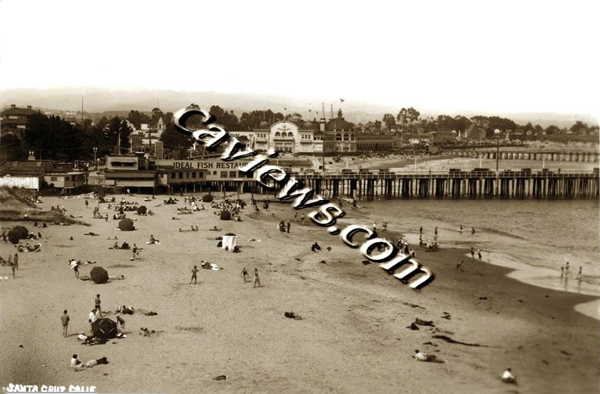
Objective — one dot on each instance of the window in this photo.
(232, 174)
(181, 175)
(223, 174)
(193, 175)
(67, 178)
(338, 137)
(278, 134)
(200, 175)
(53, 178)
(173, 175)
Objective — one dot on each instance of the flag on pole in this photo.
(342, 100)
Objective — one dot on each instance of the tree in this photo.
(118, 131)
(389, 121)
(137, 118)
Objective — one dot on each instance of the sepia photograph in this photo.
(299, 197)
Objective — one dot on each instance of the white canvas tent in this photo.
(229, 241)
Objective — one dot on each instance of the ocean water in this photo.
(536, 237)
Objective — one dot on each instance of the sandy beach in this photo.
(352, 338)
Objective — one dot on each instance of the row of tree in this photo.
(54, 138)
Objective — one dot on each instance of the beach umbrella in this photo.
(17, 233)
(104, 328)
(207, 198)
(225, 215)
(230, 234)
(99, 275)
(142, 210)
(126, 225)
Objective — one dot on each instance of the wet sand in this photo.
(352, 337)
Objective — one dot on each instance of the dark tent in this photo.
(17, 233)
(225, 215)
(126, 225)
(142, 210)
(99, 275)
(104, 328)
(207, 198)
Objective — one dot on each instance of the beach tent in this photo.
(104, 328)
(142, 210)
(99, 275)
(229, 241)
(225, 215)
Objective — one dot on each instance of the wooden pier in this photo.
(480, 183)
(582, 157)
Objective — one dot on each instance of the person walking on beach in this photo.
(580, 274)
(472, 253)
(459, 265)
(472, 230)
(13, 268)
(435, 231)
(86, 204)
(421, 230)
(567, 270)
(245, 274)
(288, 225)
(479, 254)
(97, 302)
(461, 229)
(562, 272)
(256, 279)
(64, 319)
(16, 261)
(194, 278)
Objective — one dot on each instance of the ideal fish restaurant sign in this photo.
(200, 164)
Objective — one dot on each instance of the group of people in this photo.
(564, 272)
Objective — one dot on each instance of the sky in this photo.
(489, 56)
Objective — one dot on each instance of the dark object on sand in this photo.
(104, 328)
(17, 233)
(225, 215)
(450, 340)
(220, 377)
(413, 326)
(142, 210)
(99, 275)
(424, 322)
(292, 315)
(126, 225)
(207, 198)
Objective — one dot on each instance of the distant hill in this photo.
(111, 101)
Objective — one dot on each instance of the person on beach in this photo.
(194, 272)
(432, 358)
(92, 316)
(459, 265)
(580, 274)
(461, 229)
(472, 253)
(256, 279)
(97, 302)
(245, 274)
(508, 377)
(435, 231)
(86, 204)
(16, 261)
(64, 319)
(13, 268)
(288, 225)
(562, 272)
(302, 219)
(472, 230)
(76, 269)
(421, 230)
(479, 254)
(567, 270)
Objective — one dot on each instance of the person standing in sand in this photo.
(16, 261)
(479, 254)
(288, 225)
(97, 302)
(256, 279)
(567, 270)
(472, 253)
(13, 268)
(245, 274)
(65, 321)
(194, 277)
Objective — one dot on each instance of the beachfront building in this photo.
(129, 171)
(286, 137)
(42, 174)
(343, 133)
(16, 119)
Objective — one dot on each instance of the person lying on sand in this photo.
(78, 365)
(432, 358)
